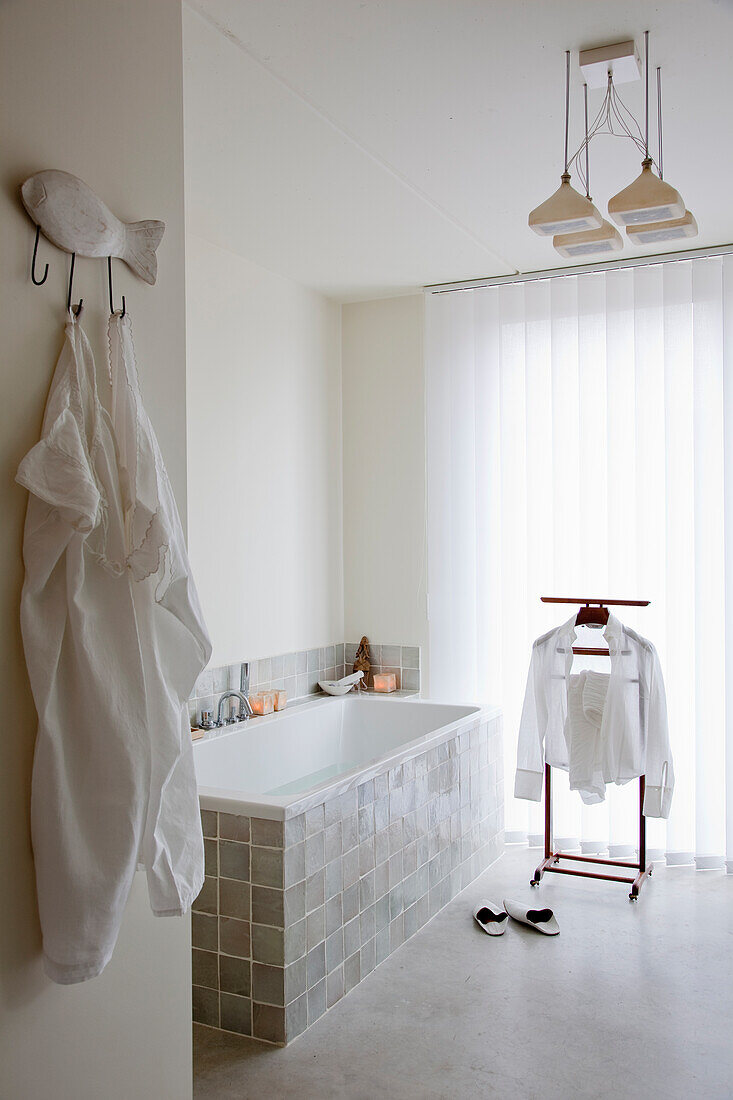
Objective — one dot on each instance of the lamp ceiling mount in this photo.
(621, 59)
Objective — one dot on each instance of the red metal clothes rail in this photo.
(593, 611)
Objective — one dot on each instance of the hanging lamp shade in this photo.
(647, 199)
(672, 230)
(605, 239)
(565, 211)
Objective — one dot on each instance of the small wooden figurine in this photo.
(362, 663)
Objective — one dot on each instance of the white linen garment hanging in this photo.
(632, 737)
(112, 776)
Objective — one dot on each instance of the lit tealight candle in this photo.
(262, 702)
(385, 681)
(281, 699)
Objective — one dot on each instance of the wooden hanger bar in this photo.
(599, 603)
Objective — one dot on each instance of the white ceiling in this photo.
(369, 147)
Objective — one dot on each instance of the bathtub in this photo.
(333, 832)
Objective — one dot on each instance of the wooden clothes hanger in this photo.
(593, 612)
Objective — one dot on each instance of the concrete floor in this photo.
(629, 1000)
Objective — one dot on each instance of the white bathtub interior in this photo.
(290, 753)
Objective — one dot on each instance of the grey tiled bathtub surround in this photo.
(298, 673)
(293, 914)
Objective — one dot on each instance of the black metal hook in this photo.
(76, 310)
(37, 282)
(111, 298)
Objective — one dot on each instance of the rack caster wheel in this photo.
(649, 872)
(633, 897)
(533, 882)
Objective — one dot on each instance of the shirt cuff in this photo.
(657, 801)
(528, 785)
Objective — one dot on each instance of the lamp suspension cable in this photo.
(646, 92)
(567, 105)
(587, 169)
(659, 121)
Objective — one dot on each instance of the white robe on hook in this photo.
(114, 640)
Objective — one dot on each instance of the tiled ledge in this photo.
(298, 673)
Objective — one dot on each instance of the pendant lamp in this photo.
(647, 199)
(672, 229)
(566, 211)
(603, 239)
(654, 232)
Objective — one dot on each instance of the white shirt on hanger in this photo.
(632, 737)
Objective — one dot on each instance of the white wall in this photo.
(264, 456)
(94, 89)
(384, 471)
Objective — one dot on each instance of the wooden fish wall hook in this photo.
(76, 220)
(37, 282)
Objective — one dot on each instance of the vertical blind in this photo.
(580, 443)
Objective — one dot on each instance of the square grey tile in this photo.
(206, 902)
(235, 975)
(314, 853)
(334, 950)
(295, 980)
(268, 906)
(234, 860)
(350, 868)
(349, 832)
(234, 827)
(332, 841)
(334, 913)
(206, 1006)
(352, 937)
(315, 927)
(315, 890)
(410, 657)
(236, 1014)
(294, 864)
(316, 964)
(268, 984)
(268, 1022)
(268, 944)
(211, 858)
(367, 925)
(316, 1001)
(296, 1017)
(294, 830)
(234, 937)
(205, 968)
(351, 900)
(352, 972)
(366, 822)
(334, 878)
(382, 944)
(367, 957)
(268, 834)
(314, 820)
(267, 867)
(367, 889)
(334, 986)
(294, 903)
(381, 879)
(204, 931)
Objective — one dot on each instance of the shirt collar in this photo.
(613, 630)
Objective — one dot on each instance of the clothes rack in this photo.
(552, 858)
